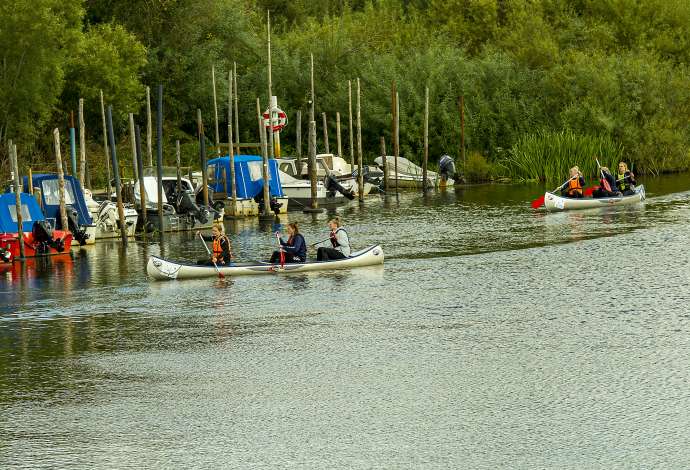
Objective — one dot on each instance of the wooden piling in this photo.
(17, 196)
(385, 164)
(325, 134)
(397, 138)
(312, 113)
(337, 134)
(149, 128)
(360, 167)
(202, 156)
(31, 182)
(142, 187)
(61, 180)
(72, 144)
(178, 170)
(271, 139)
(82, 144)
(264, 157)
(231, 151)
(133, 140)
(462, 130)
(298, 136)
(237, 114)
(216, 151)
(116, 172)
(105, 149)
(426, 140)
(352, 139)
(314, 204)
(159, 158)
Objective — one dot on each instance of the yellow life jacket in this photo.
(621, 182)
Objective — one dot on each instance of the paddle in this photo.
(282, 253)
(540, 200)
(220, 274)
(322, 241)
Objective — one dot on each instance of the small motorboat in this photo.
(553, 202)
(161, 269)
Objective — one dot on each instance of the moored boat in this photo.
(161, 269)
(553, 202)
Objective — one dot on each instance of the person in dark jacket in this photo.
(625, 180)
(294, 249)
(607, 186)
(221, 253)
(573, 188)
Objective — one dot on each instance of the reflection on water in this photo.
(495, 336)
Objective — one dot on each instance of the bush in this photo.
(477, 169)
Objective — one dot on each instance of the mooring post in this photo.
(314, 204)
(116, 171)
(105, 148)
(82, 144)
(237, 114)
(360, 167)
(462, 130)
(133, 141)
(264, 157)
(385, 164)
(202, 156)
(31, 182)
(337, 134)
(178, 170)
(159, 159)
(216, 151)
(271, 101)
(140, 166)
(17, 196)
(325, 134)
(298, 144)
(352, 138)
(396, 142)
(149, 128)
(61, 180)
(73, 144)
(426, 140)
(231, 150)
(312, 112)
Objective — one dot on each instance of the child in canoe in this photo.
(625, 179)
(607, 186)
(221, 254)
(573, 188)
(294, 249)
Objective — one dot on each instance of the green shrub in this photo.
(477, 169)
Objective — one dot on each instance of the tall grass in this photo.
(549, 155)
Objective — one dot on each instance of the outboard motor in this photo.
(275, 205)
(332, 186)
(73, 224)
(5, 255)
(446, 167)
(186, 205)
(43, 238)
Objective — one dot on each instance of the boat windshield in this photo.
(255, 171)
(26, 214)
(51, 192)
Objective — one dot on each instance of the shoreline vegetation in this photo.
(546, 84)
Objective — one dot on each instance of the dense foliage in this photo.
(543, 80)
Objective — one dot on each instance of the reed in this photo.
(549, 155)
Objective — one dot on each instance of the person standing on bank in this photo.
(339, 240)
(295, 248)
(221, 253)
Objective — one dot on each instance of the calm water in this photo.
(493, 337)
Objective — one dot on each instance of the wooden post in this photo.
(325, 134)
(360, 167)
(159, 159)
(72, 144)
(426, 139)
(385, 164)
(61, 180)
(132, 138)
(31, 182)
(215, 111)
(116, 171)
(271, 148)
(237, 114)
(311, 96)
(462, 130)
(149, 127)
(82, 144)
(397, 138)
(105, 149)
(264, 156)
(17, 196)
(337, 135)
(231, 151)
(202, 156)
(352, 139)
(298, 132)
(312, 164)
(142, 187)
(178, 170)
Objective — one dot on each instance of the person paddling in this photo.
(575, 184)
(625, 179)
(294, 249)
(221, 254)
(339, 240)
(608, 186)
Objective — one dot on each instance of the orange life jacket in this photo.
(574, 187)
(217, 248)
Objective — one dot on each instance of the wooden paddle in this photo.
(540, 200)
(220, 274)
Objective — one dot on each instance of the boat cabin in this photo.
(248, 176)
(47, 189)
(31, 212)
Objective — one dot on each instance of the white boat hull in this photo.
(161, 269)
(552, 202)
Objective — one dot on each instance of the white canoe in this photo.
(553, 202)
(161, 269)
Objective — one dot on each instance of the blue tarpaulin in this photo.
(248, 175)
(74, 196)
(31, 212)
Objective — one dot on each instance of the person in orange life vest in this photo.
(221, 252)
(625, 179)
(339, 240)
(575, 184)
(607, 186)
(294, 249)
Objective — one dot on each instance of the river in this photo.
(494, 336)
